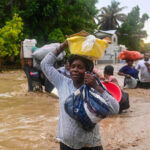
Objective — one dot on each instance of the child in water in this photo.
(109, 77)
(108, 74)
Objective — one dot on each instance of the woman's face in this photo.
(130, 62)
(77, 71)
(29, 62)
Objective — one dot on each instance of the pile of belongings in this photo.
(87, 107)
(130, 55)
(87, 45)
(27, 47)
(41, 52)
(131, 83)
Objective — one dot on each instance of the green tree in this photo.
(42, 17)
(146, 47)
(5, 13)
(10, 36)
(78, 15)
(56, 36)
(110, 16)
(131, 31)
(8, 8)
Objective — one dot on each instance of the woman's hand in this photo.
(128, 76)
(90, 80)
(64, 45)
(61, 48)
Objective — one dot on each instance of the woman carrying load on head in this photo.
(70, 133)
(33, 75)
(128, 71)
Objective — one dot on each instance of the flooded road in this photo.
(28, 121)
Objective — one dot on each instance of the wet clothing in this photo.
(48, 86)
(124, 102)
(65, 147)
(144, 85)
(70, 132)
(45, 82)
(144, 74)
(131, 71)
(33, 77)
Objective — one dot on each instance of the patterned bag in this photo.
(87, 107)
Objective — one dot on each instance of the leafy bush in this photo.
(10, 36)
(56, 36)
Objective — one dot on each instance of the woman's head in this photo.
(129, 62)
(89, 65)
(78, 66)
(29, 62)
(109, 70)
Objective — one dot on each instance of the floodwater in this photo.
(28, 121)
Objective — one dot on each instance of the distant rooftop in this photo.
(108, 31)
(102, 33)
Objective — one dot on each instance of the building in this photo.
(112, 52)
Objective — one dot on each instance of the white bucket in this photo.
(27, 47)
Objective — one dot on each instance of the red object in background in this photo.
(114, 90)
(130, 55)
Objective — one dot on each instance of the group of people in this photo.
(77, 72)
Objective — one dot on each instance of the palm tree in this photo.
(110, 16)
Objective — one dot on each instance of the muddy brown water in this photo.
(28, 121)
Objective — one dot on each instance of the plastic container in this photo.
(27, 47)
(114, 90)
(87, 46)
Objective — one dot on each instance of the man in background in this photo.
(144, 67)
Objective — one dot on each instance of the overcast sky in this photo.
(144, 6)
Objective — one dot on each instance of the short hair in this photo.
(89, 65)
(109, 70)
